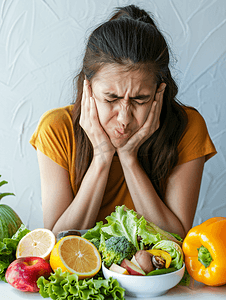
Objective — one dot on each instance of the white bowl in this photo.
(146, 286)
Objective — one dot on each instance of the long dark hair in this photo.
(131, 39)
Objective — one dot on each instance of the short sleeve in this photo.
(53, 136)
(196, 141)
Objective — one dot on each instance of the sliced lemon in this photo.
(39, 242)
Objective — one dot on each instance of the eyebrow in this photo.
(138, 97)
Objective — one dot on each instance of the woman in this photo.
(126, 139)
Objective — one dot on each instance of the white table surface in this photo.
(194, 291)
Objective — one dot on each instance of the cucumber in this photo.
(161, 271)
(9, 220)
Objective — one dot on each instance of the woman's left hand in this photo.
(151, 124)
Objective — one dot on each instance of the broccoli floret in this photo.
(95, 242)
(116, 249)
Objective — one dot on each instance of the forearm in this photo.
(146, 200)
(83, 210)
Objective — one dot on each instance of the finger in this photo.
(87, 100)
(82, 115)
(159, 94)
(161, 88)
(85, 104)
(151, 123)
(159, 101)
(146, 130)
(94, 118)
(155, 118)
(158, 107)
(151, 115)
(156, 121)
(93, 110)
(88, 88)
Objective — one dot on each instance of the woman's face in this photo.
(123, 100)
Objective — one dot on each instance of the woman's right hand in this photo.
(89, 121)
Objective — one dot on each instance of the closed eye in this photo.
(140, 103)
(110, 101)
(133, 100)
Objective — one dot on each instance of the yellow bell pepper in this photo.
(204, 248)
(165, 255)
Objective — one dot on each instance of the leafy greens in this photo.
(127, 223)
(174, 250)
(8, 250)
(63, 285)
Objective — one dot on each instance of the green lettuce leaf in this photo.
(94, 233)
(20, 233)
(174, 250)
(179, 238)
(128, 223)
(123, 222)
(151, 233)
(148, 234)
(63, 285)
(8, 250)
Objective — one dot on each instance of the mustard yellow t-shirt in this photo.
(54, 137)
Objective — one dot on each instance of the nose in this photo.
(124, 115)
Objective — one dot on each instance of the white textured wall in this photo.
(41, 44)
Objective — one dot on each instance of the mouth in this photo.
(121, 134)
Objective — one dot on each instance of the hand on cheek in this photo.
(90, 123)
(149, 127)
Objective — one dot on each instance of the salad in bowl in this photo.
(130, 245)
